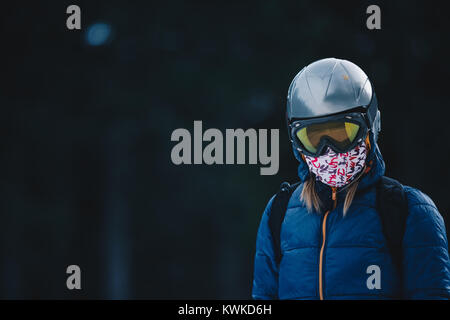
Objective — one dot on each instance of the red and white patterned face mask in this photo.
(338, 169)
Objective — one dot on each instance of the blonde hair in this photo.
(312, 200)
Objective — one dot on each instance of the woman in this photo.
(333, 242)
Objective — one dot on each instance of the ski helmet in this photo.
(330, 87)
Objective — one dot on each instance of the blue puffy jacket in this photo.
(352, 244)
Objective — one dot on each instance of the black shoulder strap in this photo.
(392, 207)
(277, 213)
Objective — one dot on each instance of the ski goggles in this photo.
(339, 132)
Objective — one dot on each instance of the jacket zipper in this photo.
(324, 229)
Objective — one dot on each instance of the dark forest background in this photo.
(87, 177)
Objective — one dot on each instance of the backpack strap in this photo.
(392, 206)
(277, 213)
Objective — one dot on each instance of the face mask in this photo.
(338, 169)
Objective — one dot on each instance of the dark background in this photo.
(87, 177)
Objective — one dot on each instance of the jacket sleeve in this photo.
(265, 276)
(426, 261)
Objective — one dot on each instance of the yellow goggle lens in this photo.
(352, 130)
(342, 134)
(302, 135)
